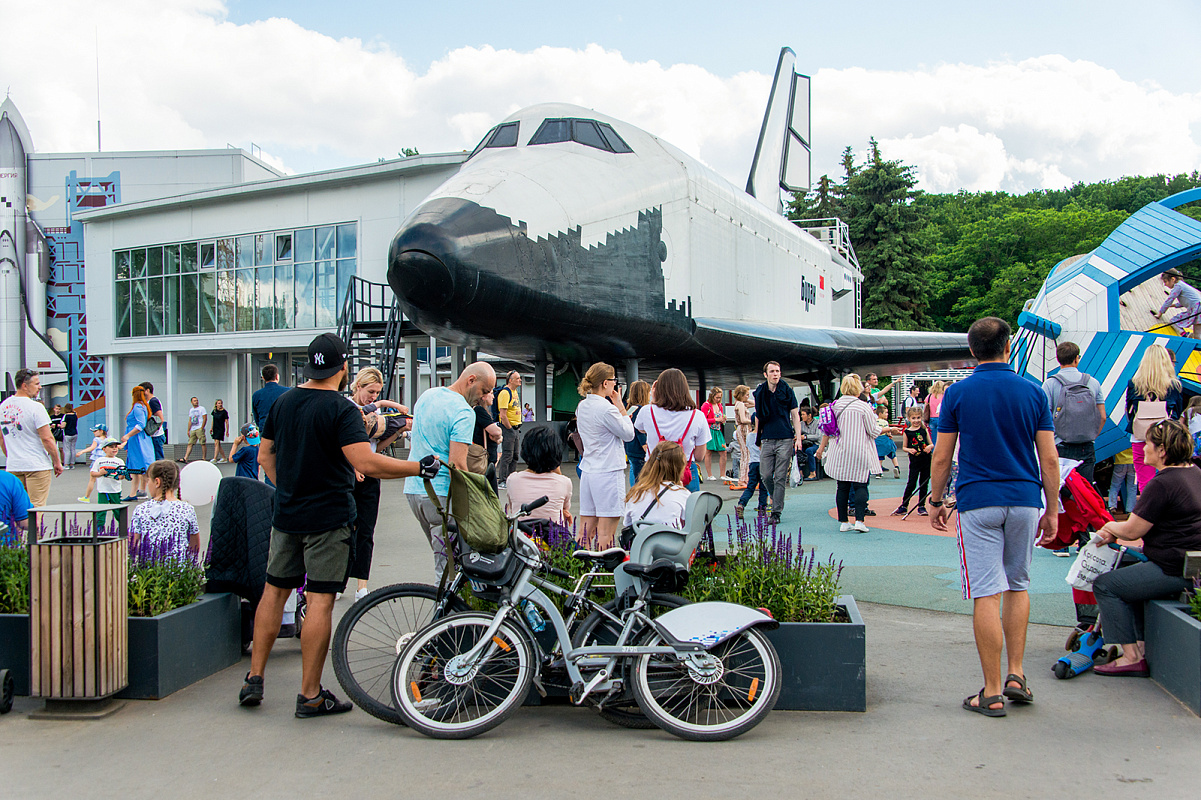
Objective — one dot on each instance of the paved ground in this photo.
(1094, 735)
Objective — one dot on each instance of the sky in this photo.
(986, 96)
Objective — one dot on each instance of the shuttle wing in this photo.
(800, 346)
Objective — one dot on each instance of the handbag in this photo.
(1091, 562)
(686, 478)
(626, 539)
(1147, 414)
(152, 426)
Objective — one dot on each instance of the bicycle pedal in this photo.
(576, 693)
(538, 685)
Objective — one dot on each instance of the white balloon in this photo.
(198, 483)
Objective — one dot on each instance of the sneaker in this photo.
(870, 513)
(338, 596)
(214, 461)
(775, 518)
(844, 527)
(896, 471)
(760, 512)
(1062, 552)
(361, 593)
(860, 527)
(922, 512)
(701, 478)
(501, 485)
(738, 512)
(133, 498)
(83, 499)
(222, 460)
(901, 511)
(323, 704)
(252, 691)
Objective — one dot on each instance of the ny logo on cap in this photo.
(319, 359)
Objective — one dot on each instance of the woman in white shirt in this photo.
(658, 495)
(604, 429)
(672, 416)
(853, 459)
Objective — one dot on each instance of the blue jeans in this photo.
(157, 443)
(635, 467)
(1123, 474)
(810, 460)
(753, 480)
(933, 426)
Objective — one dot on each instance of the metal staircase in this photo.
(371, 324)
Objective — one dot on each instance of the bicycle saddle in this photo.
(603, 559)
(662, 573)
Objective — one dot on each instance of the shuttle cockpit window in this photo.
(501, 136)
(584, 131)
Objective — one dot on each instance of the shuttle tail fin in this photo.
(782, 157)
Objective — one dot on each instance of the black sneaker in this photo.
(774, 518)
(922, 512)
(321, 705)
(252, 691)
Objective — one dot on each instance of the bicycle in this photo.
(703, 671)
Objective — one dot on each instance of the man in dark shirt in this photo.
(311, 446)
(777, 432)
(156, 410)
(262, 400)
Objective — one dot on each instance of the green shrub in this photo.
(162, 578)
(14, 574)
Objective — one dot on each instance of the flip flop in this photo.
(1020, 693)
(984, 703)
(180, 461)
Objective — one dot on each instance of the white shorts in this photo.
(603, 494)
(996, 544)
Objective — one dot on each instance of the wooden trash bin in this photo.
(78, 607)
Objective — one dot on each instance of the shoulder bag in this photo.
(628, 533)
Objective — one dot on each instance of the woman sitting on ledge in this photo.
(1167, 517)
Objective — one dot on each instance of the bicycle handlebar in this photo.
(535, 504)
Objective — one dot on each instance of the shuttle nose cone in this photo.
(419, 268)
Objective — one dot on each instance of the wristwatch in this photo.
(935, 503)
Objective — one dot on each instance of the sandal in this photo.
(180, 461)
(1021, 692)
(984, 703)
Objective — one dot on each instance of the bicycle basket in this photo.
(476, 511)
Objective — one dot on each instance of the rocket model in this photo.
(24, 263)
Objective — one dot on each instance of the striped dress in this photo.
(852, 454)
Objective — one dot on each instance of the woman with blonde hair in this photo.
(744, 405)
(852, 460)
(1153, 394)
(658, 495)
(714, 409)
(604, 429)
(138, 450)
(639, 396)
(673, 416)
(933, 405)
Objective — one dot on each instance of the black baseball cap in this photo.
(327, 354)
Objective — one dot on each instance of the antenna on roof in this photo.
(98, 148)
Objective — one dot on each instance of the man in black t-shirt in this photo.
(313, 441)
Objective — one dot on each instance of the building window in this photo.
(274, 280)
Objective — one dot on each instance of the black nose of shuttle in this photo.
(421, 267)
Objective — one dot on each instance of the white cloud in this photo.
(177, 74)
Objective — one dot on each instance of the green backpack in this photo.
(475, 509)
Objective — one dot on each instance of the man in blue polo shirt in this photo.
(1007, 465)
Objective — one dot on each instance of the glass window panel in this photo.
(305, 296)
(139, 307)
(264, 250)
(154, 261)
(171, 305)
(187, 262)
(246, 299)
(283, 247)
(245, 251)
(208, 302)
(506, 136)
(303, 245)
(325, 242)
(483, 142)
(327, 294)
(226, 307)
(347, 241)
(139, 263)
(551, 131)
(123, 315)
(264, 318)
(189, 302)
(154, 306)
(615, 142)
(171, 259)
(345, 273)
(584, 131)
(225, 255)
(122, 260)
(284, 310)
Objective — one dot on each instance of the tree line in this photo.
(942, 261)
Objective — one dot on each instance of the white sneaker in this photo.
(338, 596)
(860, 526)
(844, 527)
(361, 593)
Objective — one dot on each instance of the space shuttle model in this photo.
(24, 264)
(1105, 301)
(581, 237)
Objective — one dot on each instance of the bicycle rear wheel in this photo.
(439, 694)
(723, 703)
(371, 635)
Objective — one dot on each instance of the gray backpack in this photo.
(1076, 416)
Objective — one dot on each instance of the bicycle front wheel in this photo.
(728, 699)
(371, 635)
(441, 694)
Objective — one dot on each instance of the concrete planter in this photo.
(14, 649)
(824, 663)
(1174, 651)
(176, 649)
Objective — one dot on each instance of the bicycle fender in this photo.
(712, 623)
